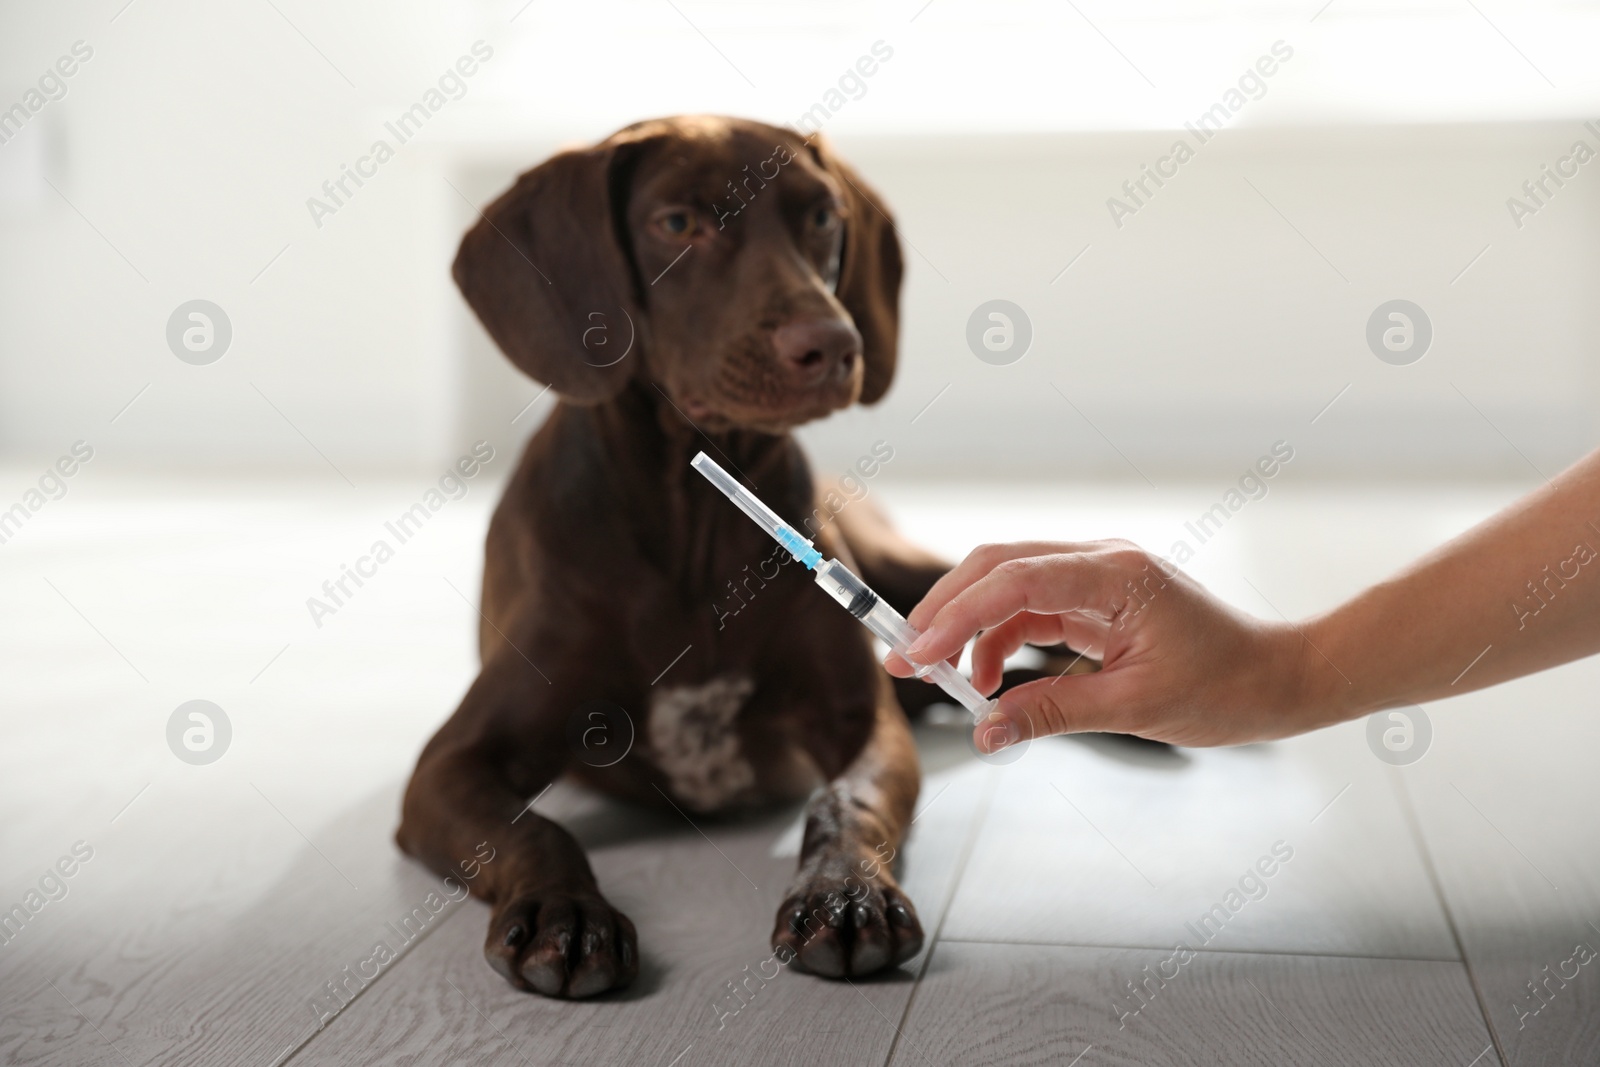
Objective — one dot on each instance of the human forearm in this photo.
(1516, 594)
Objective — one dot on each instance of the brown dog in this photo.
(762, 278)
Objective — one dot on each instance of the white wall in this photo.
(1206, 327)
(1192, 337)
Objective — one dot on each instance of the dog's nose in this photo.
(818, 350)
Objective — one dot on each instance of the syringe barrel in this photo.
(955, 683)
(893, 630)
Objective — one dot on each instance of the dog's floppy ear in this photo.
(546, 274)
(869, 276)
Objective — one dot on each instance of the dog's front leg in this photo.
(465, 810)
(844, 914)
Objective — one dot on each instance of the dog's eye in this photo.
(679, 222)
(824, 217)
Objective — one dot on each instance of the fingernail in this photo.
(999, 731)
(918, 645)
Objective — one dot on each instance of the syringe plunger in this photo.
(893, 630)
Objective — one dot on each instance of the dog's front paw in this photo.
(842, 925)
(562, 944)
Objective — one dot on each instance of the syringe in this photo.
(848, 589)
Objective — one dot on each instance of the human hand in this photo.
(1177, 664)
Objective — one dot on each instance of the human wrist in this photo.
(1327, 692)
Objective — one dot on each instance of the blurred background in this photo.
(1349, 155)
(1376, 164)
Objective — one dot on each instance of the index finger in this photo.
(979, 562)
(1043, 585)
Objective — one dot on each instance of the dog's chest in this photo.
(694, 740)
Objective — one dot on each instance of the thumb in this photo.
(1066, 704)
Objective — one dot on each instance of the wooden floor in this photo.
(1405, 913)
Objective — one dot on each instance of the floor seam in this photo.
(422, 935)
(1397, 781)
(978, 819)
(1203, 951)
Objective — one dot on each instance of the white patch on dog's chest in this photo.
(695, 742)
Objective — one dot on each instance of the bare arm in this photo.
(1518, 593)
(1520, 588)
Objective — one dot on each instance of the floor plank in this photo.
(1505, 799)
(1101, 841)
(1023, 1005)
(707, 981)
(203, 928)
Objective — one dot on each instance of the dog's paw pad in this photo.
(846, 928)
(562, 944)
